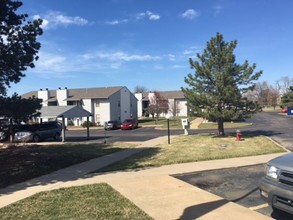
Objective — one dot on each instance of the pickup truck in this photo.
(276, 187)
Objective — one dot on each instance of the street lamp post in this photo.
(168, 125)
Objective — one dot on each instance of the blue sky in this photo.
(100, 43)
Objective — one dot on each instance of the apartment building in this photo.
(106, 103)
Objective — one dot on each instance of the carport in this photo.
(65, 112)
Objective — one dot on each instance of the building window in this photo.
(118, 103)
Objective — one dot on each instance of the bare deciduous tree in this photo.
(157, 105)
(140, 89)
(284, 84)
(174, 108)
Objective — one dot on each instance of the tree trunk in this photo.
(221, 126)
(11, 133)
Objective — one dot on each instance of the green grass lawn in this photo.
(25, 162)
(213, 125)
(98, 201)
(174, 123)
(193, 148)
(272, 109)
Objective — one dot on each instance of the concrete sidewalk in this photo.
(153, 190)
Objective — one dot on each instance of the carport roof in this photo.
(63, 111)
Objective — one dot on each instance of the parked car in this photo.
(276, 187)
(5, 131)
(4, 134)
(38, 132)
(129, 123)
(112, 125)
(284, 110)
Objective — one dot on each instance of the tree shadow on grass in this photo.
(41, 166)
(132, 163)
(247, 133)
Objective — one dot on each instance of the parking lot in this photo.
(235, 184)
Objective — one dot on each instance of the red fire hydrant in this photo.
(238, 135)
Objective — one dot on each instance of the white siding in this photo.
(139, 104)
(182, 104)
(133, 106)
(102, 112)
(115, 106)
(125, 104)
(87, 104)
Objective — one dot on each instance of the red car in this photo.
(129, 123)
(284, 110)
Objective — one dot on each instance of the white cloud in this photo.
(117, 22)
(153, 16)
(140, 15)
(188, 52)
(178, 66)
(115, 65)
(48, 61)
(191, 51)
(217, 10)
(148, 14)
(55, 18)
(171, 57)
(190, 14)
(120, 56)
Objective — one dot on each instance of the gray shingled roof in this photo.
(63, 111)
(173, 94)
(166, 94)
(83, 93)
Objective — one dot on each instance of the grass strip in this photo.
(192, 148)
(98, 201)
(22, 163)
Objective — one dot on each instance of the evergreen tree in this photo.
(19, 109)
(215, 89)
(287, 98)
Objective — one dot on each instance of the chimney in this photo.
(62, 95)
(44, 95)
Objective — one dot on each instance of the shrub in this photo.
(90, 124)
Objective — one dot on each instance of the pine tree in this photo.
(215, 89)
(287, 98)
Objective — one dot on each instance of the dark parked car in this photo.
(112, 125)
(5, 131)
(128, 124)
(38, 132)
(276, 188)
(4, 134)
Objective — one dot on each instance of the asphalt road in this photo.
(278, 127)
(273, 125)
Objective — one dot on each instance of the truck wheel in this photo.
(278, 212)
